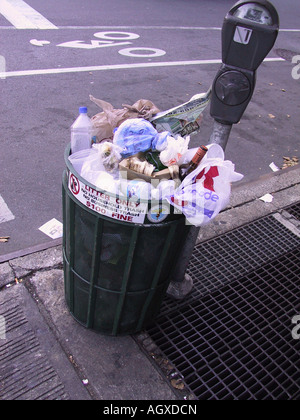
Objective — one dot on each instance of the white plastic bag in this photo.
(78, 158)
(176, 147)
(100, 167)
(205, 191)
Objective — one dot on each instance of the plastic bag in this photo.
(176, 147)
(138, 135)
(205, 191)
(105, 122)
(101, 166)
(78, 158)
(110, 156)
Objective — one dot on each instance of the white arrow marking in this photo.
(92, 45)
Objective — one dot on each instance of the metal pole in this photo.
(181, 283)
(220, 134)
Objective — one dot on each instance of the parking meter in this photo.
(249, 32)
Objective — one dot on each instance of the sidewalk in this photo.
(46, 354)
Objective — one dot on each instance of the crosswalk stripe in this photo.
(23, 16)
(5, 213)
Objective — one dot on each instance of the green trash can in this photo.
(118, 255)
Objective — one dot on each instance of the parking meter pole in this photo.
(220, 134)
(182, 283)
(249, 32)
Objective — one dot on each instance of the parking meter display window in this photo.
(255, 13)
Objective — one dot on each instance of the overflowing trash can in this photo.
(130, 200)
(118, 256)
(123, 242)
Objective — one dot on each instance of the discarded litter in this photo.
(289, 161)
(138, 135)
(183, 119)
(205, 191)
(106, 121)
(53, 228)
(4, 238)
(274, 167)
(81, 132)
(142, 154)
(267, 198)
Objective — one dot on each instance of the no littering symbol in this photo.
(74, 184)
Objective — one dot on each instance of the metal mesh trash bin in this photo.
(116, 269)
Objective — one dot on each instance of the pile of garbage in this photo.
(140, 153)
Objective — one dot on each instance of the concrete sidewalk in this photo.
(46, 354)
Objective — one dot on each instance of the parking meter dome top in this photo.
(138, 135)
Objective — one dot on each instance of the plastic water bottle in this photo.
(81, 132)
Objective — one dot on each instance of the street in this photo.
(53, 55)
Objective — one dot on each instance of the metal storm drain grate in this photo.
(294, 210)
(232, 338)
(232, 255)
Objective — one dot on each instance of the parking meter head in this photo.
(249, 32)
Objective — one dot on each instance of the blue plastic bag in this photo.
(138, 135)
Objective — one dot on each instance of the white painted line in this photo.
(5, 213)
(180, 28)
(94, 44)
(23, 16)
(115, 67)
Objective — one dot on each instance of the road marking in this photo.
(120, 36)
(142, 52)
(39, 43)
(23, 16)
(116, 67)
(2, 65)
(94, 44)
(177, 28)
(5, 213)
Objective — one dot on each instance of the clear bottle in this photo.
(186, 169)
(81, 132)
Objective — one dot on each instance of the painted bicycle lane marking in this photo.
(108, 39)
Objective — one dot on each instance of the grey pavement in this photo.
(45, 353)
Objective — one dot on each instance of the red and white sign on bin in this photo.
(108, 205)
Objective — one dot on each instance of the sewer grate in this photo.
(25, 371)
(294, 210)
(231, 339)
(232, 255)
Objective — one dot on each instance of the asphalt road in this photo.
(44, 85)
